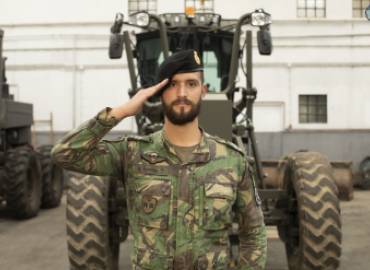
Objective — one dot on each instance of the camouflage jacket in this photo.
(180, 214)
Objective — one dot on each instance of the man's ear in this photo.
(204, 89)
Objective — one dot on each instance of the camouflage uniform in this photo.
(180, 213)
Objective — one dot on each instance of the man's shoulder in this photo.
(226, 144)
(139, 138)
(131, 138)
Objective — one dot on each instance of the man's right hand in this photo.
(134, 105)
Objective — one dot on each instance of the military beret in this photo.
(179, 62)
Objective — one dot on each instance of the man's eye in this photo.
(172, 84)
(192, 84)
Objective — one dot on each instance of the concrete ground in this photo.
(40, 243)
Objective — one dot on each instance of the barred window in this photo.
(200, 5)
(139, 5)
(313, 109)
(358, 8)
(311, 8)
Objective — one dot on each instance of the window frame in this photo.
(359, 10)
(307, 9)
(313, 108)
(138, 2)
(197, 6)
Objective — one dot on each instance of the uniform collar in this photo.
(201, 154)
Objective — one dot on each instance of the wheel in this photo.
(23, 184)
(52, 179)
(312, 233)
(365, 173)
(93, 231)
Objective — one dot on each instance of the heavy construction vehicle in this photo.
(300, 197)
(28, 177)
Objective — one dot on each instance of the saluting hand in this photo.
(134, 105)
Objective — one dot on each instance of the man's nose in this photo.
(181, 92)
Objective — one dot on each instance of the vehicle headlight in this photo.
(141, 18)
(260, 18)
(207, 19)
(174, 19)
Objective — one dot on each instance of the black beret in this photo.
(179, 62)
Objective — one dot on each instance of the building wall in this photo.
(346, 145)
(57, 59)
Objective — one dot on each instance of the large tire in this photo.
(93, 235)
(365, 173)
(23, 183)
(52, 179)
(312, 234)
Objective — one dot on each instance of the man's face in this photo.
(181, 100)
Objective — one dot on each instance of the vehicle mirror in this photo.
(264, 42)
(115, 46)
(117, 25)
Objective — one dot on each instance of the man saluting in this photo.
(185, 187)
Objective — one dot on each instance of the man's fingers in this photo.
(158, 86)
(150, 91)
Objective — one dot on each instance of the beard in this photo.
(182, 117)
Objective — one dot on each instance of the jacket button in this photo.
(202, 263)
(166, 189)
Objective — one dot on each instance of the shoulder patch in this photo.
(228, 144)
(129, 138)
(139, 138)
(117, 139)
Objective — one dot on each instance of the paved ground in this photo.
(39, 243)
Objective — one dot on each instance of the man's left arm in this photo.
(252, 230)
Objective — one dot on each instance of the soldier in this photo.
(184, 185)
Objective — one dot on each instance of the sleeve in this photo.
(252, 230)
(82, 149)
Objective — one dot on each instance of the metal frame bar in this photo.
(235, 54)
(2, 65)
(130, 60)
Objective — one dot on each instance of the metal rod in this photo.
(130, 60)
(251, 96)
(256, 155)
(162, 34)
(249, 84)
(1, 63)
(249, 60)
(235, 54)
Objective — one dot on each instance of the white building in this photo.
(314, 90)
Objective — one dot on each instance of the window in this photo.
(313, 109)
(200, 5)
(211, 76)
(311, 8)
(358, 8)
(138, 5)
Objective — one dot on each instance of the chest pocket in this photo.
(152, 201)
(217, 210)
(152, 192)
